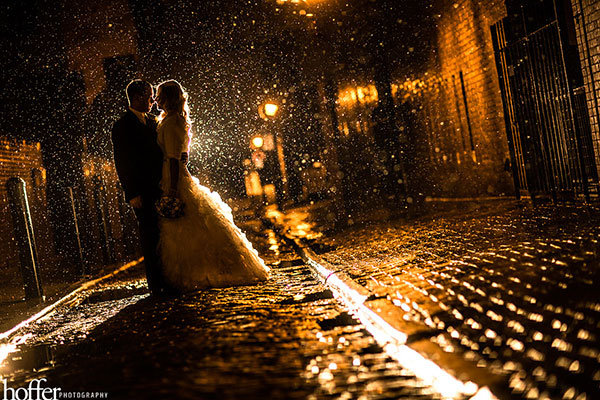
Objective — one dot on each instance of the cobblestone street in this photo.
(282, 340)
(511, 287)
(503, 286)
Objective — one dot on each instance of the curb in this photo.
(468, 199)
(6, 336)
(405, 341)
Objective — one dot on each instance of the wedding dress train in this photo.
(203, 248)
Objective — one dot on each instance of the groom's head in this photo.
(140, 95)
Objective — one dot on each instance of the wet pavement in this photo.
(285, 339)
(508, 286)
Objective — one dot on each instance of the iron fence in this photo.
(546, 120)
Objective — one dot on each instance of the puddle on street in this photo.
(35, 350)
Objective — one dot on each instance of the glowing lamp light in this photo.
(5, 350)
(271, 109)
(257, 142)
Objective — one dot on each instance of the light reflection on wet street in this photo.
(511, 288)
(285, 339)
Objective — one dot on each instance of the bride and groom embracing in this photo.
(201, 248)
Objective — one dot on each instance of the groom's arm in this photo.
(124, 157)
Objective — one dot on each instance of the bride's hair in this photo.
(174, 100)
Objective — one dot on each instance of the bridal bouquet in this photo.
(169, 207)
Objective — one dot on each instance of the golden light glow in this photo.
(271, 109)
(416, 87)
(351, 96)
(345, 129)
(257, 142)
(5, 350)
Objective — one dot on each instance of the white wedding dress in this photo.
(203, 248)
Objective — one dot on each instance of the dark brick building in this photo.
(448, 104)
(587, 22)
(451, 107)
(461, 109)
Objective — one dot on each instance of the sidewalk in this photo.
(506, 286)
(17, 311)
(14, 307)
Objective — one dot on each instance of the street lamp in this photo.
(268, 110)
(271, 109)
(257, 142)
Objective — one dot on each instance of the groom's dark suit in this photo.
(138, 160)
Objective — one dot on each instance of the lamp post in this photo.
(269, 111)
(318, 59)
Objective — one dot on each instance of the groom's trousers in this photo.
(149, 235)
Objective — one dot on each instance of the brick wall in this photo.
(24, 160)
(459, 102)
(587, 25)
(450, 111)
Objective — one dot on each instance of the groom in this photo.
(138, 160)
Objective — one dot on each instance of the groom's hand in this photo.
(184, 158)
(136, 202)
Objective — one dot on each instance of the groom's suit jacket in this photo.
(138, 158)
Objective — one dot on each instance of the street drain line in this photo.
(392, 340)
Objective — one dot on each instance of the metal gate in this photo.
(547, 122)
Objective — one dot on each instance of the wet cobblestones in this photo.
(515, 289)
(285, 339)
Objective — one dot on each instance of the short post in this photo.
(23, 231)
(73, 214)
(105, 242)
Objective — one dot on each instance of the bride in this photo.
(203, 248)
